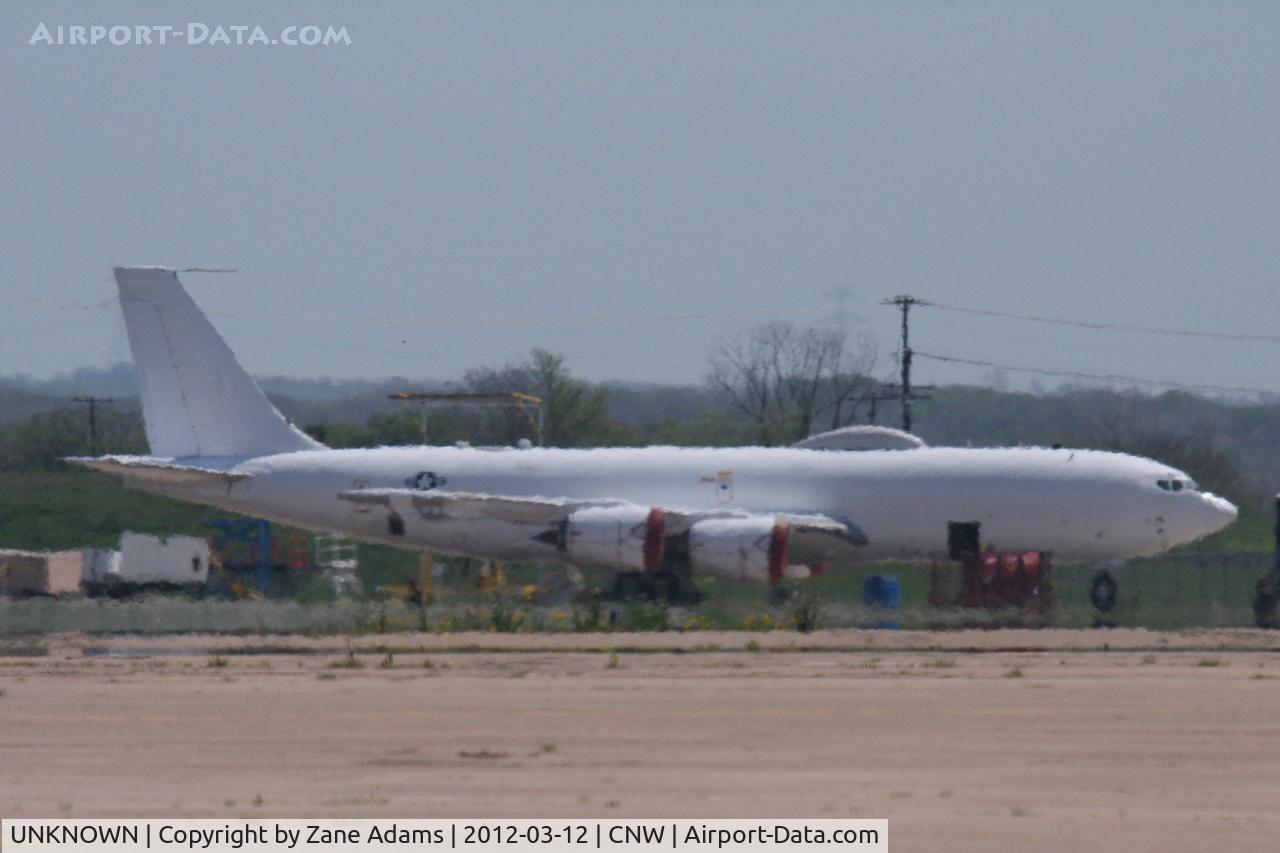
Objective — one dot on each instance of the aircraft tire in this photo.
(666, 587)
(1266, 603)
(1102, 592)
(627, 586)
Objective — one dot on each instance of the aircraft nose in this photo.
(1216, 513)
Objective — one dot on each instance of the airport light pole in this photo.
(531, 406)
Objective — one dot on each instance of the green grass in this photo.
(1253, 531)
(56, 510)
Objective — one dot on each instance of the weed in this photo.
(257, 799)
(217, 662)
(1147, 660)
(941, 663)
(613, 660)
(1209, 662)
(591, 619)
(387, 662)
(753, 646)
(1018, 811)
(805, 615)
(349, 662)
(503, 619)
(647, 616)
(1013, 673)
(326, 676)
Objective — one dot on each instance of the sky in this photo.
(628, 183)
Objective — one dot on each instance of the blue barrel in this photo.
(885, 593)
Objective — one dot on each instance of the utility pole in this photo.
(885, 392)
(904, 302)
(93, 418)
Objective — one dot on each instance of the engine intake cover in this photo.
(627, 537)
(747, 549)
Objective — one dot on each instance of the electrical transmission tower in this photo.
(905, 392)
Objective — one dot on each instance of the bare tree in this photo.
(784, 378)
(575, 412)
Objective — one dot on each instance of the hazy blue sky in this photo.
(1105, 161)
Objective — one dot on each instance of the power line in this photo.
(1104, 377)
(1104, 327)
(59, 306)
(545, 320)
(553, 319)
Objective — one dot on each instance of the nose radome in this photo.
(1219, 513)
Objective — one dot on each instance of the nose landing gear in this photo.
(1102, 591)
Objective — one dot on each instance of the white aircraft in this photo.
(753, 513)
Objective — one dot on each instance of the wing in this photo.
(435, 504)
(630, 536)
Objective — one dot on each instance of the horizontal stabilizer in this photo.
(154, 469)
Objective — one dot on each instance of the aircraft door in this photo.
(963, 537)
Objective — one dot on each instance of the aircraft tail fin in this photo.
(196, 398)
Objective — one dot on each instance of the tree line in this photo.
(771, 385)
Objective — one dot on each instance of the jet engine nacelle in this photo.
(625, 537)
(747, 549)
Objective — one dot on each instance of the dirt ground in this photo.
(1002, 740)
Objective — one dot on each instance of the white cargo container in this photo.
(98, 567)
(177, 560)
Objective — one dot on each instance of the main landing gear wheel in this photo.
(1102, 592)
(1266, 602)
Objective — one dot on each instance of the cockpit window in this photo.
(1175, 484)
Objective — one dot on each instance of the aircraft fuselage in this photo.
(1079, 505)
